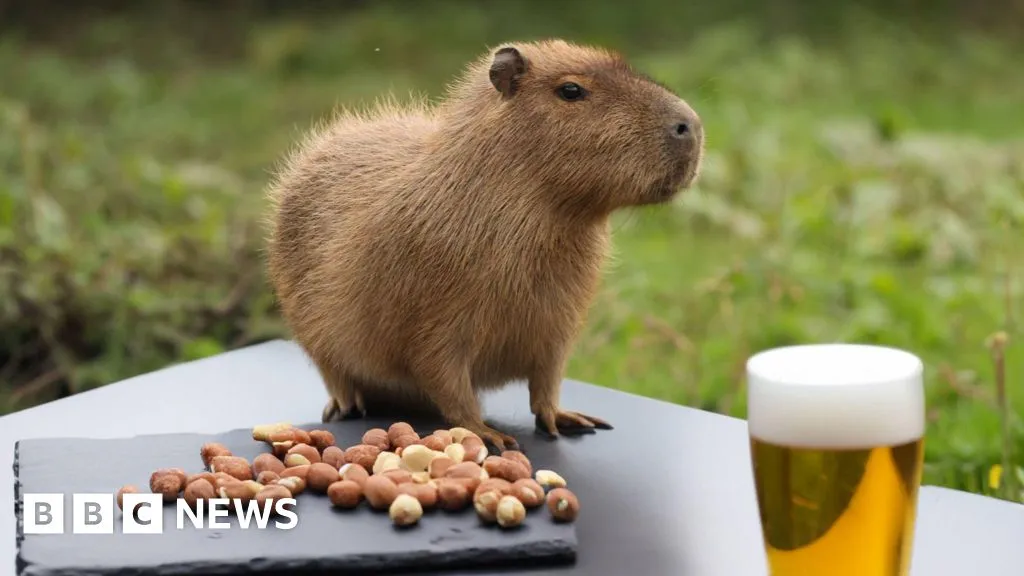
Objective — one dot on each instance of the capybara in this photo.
(424, 253)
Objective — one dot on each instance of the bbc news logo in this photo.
(144, 514)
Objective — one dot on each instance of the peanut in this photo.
(283, 435)
(269, 495)
(281, 449)
(301, 471)
(452, 495)
(434, 442)
(378, 438)
(345, 494)
(457, 452)
(262, 433)
(476, 451)
(288, 435)
(268, 477)
(425, 493)
(265, 462)
(180, 474)
(222, 478)
(417, 457)
(529, 492)
(498, 467)
(486, 504)
(234, 466)
(386, 461)
(510, 512)
(211, 449)
(563, 505)
(208, 476)
(521, 458)
(502, 486)
(311, 453)
(397, 430)
(405, 440)
(405, 510)
(168, 481)
(301, 436)
(294, 484)
(240, 490)
(292, 459)
(354, 472)
(334, 456)
(200, 489)
(421, 477)
(380, 492)
(549, 479)
(440, 465)
(321, 439)
(464, 470)
(364, 455)
(459, 434)
(321, 476)
(397, 476)
(444, 436)
(129, 489)
(470, 484)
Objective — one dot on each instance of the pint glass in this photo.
(836, 438)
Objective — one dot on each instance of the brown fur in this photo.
(423, 254)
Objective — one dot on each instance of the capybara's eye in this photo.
(570, 91)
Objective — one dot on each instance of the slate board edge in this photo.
(559, 552)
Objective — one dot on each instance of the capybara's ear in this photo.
(507, 68)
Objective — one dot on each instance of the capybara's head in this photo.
(594, 128)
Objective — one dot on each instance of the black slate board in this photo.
(325, 540)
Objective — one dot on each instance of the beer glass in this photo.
(836, 439)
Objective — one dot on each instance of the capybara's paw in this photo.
(555, 422)
(353, 413)
(331, 411)
(344, 409)
(496, 442)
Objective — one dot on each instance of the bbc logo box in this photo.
(92, 514)
(144, 514)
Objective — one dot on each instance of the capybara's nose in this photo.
(685, 124)
(686, 128)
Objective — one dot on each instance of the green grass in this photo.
(862, 183)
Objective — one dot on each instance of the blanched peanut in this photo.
(417, 457)
(510, 512)
(549, 479)
(457, 452)
(405, 510)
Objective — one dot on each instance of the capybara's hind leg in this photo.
(345, 402)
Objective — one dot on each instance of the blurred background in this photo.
(864, 181)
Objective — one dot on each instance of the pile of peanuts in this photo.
(393, 470)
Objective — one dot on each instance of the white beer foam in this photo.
(835, 395)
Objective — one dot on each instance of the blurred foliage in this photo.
(864, 181)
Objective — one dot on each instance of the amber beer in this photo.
(836, 439)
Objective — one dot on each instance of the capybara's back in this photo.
(325, 190)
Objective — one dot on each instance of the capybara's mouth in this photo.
(682, 178)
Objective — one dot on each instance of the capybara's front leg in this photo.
(545, 393)
(453, 394)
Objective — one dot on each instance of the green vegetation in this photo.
(862, 183)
